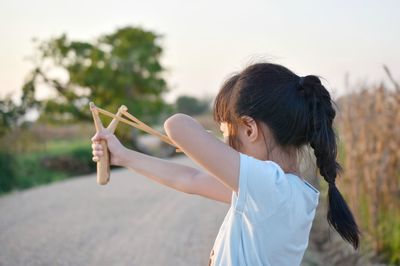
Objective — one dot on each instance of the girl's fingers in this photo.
(96, 137)
(104, 134)
(97, 153)
(97, 146)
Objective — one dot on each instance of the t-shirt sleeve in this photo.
(263, 188)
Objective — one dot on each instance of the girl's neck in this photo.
(288, 163)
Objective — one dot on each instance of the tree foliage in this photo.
(118, 68)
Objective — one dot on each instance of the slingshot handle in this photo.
(103, 165)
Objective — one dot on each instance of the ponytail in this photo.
(322, 139)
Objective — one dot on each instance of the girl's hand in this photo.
(116, 149)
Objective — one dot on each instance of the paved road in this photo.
(131, 221)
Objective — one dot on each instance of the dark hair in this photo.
(298, 111)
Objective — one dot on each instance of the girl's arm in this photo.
(219, 159)
(177, 176)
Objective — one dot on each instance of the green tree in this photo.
(118, 68)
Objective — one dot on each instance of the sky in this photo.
(205, 41)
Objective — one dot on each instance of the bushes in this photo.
(7, 177)
(59, 161)
(74, 162)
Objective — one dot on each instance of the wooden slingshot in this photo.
(103, 165)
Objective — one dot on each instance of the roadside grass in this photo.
(59, 160)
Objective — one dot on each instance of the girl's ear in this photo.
(250, 128)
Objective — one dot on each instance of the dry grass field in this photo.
(369, 129)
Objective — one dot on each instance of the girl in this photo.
(267, 114)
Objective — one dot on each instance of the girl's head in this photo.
(265, 106)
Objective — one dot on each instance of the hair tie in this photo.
(301, 81)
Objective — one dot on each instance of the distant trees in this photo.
(12, 114)
(192, 106)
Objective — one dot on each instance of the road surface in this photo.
(131, 221)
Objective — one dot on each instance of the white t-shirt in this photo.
(269, 220)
